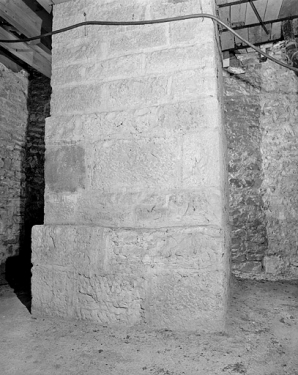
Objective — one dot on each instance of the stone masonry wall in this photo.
(247, 216)
(261, 123)
(39, 94)
(13, 122)
(136, 189)
(279, 103)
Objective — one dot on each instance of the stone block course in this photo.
(94, 72)
(158, 121)
(148, 209)
(105, 274)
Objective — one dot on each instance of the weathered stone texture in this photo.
(39, 93)
(13, 122)
(135, 198)
(280, 154)
(127, 275)
(261, 117)
(65, 169)
(247, 216)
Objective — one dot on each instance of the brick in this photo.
(65, 169)
(117, 165)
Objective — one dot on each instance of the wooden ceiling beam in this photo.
(20, 16)
(32, 55)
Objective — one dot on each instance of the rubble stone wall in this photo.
(247, 216)
(39, 95)
(261, 125)
(13, 123)
(136, 183)
(279, 103)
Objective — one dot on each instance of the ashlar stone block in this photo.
(65, 168)
(131, 276)
(121, 164)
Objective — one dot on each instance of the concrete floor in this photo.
(261, 339)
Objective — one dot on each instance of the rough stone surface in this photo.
(13, 122)
(136, 189)
(39, 93)
(261, 113)
(166, 277)
(247, 216)
(280, 152)
(65, 169)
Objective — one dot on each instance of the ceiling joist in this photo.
(32, 55)
(20, 16)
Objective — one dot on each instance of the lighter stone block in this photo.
(119, 165)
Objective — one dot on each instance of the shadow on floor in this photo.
(16, 273)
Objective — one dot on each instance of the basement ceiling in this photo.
(26, 18)
(258, 21)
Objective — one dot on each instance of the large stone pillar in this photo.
(136, 194)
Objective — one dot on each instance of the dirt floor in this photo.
(261, 339)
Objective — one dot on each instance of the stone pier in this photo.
(136, 189)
